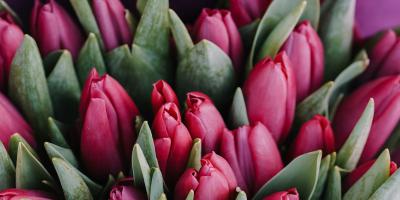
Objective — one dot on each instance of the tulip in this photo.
(162, 93)
(108, 133)
(246, 11)
(386, 93)
(189, 10)
(290, 194)
(304, 49)
(218, 27)
(11, 38)
(215, 180)
(204, 121)
(245, 149)
(54, 29)
(315, 134)
(360, 171)
(172, 142)
(270, 95)
(385, 57)
(20, 194)
(124, 190)
(12, 122)
(114, 28)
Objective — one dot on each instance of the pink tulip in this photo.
(246, 11)
(162, 93)
(290, 194)
(253, 155)
(270, 95)
(124, 190)
(21, 194)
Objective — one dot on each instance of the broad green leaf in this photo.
(181, 35)
(146, 143)
(238, 113)
(157, 184)
(389, 189)
(140, 169)
(322, 177)
(371, 180)
(140, 4)
(241, 195)
(28, 87)
(190, 195)
(13, 145)
(301, 173)
(247, 34)
(131, 20)
(54, 151)
(163, 197)
(7, 169)
(312, 13)
(195, 155)
(56, 133)
(333, 190)
(350, 153)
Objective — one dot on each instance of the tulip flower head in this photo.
(162, 93)
(24, 194)
(290, 194)
(124, 190)
(246, 11)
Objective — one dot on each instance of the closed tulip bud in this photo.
(215, 180)
(246, 11)
(245, 149)
(54, 29)
(11, 38)
(108, 133)
(12, 122)
(20, 194)
(386, 93)
(218, 27)
(315, 134)
(172, 142)
(162, 93)
(124, 190)
(290, 194)
(270, 95)
(305, 50)
(204, 121)
(114, 28)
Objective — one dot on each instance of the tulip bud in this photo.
(20, 194)
(306, 53)
(246, 11)
(54, 29)
(162, 93)
(12, 122)
(245, 149)
(11, 38)
(108, 133)
(270, 95)
(124, 190)
(290, 194)
(218, 27)
(204, 121)
(386, 93)
(215, 180)
(114, 28)
(172, 142)
(315, 134)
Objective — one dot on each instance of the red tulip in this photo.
(214, 181)
(253, 155)
(246, 11)
(124, 190)
(386, 93)
(313, 135)
(20, 194)
(204, 121)
(270, 95)
(12, 122)
(218, 27)
(54, 29)
(108, 132)
(114, 28)
(162, 93)
(11, 38)
(305, 51)
(291, 194)
(172, 142)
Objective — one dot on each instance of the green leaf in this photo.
(350, 153)
(146, 143)
(190, 195)
(131, 20)
(241, 195)
(301, 173)
(56, 130)
(389, 189)
(54, 151)
(238, 113)
(90, 56)
(371, 180)
(157, 183)
(13, 145)
(163, 197)
(140, 4)
(181, 35)
(333, 190)
(195, 155)
(322, 176)
(28, 87)
(247, 33)
(140, 169)
(7, 169)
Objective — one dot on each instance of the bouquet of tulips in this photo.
(199, 100)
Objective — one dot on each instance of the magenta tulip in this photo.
(246, 11)
(11, 38)
(290, 194)
(386, 93)
(162, 93)
(108, 132)
(124, 190)
(306, 53)
(218, 27)
(315, 134)
(253, 155)
(54, 29)
(20, 194)
(204, 121)
(114, 28)
(172, 142)
(214, 181)
(270, 95)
